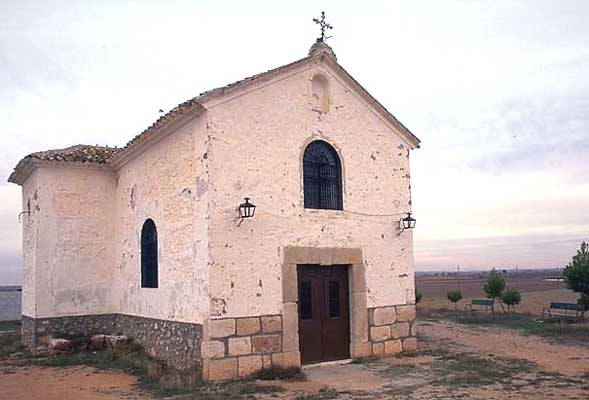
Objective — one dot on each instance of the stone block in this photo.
(392, 346)
(359, 349)
(413, 329)
(288, 359)
(248, 365)
(326, 256)
(289, 283)
(240, 346)
(290, 333)
(384, 316)
(213, 349)
(117, 342)
(220, 328)
(358, 278)
(248, 326)
(410, 345)
(59, 344)
(266, 344)
(98, 342)
(272, 323)
(406, 313)
(266, 360)
(378, 349)
(347, 256)
(222, 369)
(359, 317)
(400, 330)
(380, 333)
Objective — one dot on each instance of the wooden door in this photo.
(324, 316)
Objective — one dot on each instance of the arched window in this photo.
(149, 254)
(320, 93)
(322, 177)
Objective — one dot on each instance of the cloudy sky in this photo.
(498, 92)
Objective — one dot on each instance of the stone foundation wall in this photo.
(36, 330)
(238, 347)
(392, 330)
(176, 343)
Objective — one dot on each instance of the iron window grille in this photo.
(322, 177)
(149, 264)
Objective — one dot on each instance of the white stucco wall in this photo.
(82, 245)
(68, 242)
(256, 150)
(168, 184)
(29, 220)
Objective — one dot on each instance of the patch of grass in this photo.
(525, 323)
(10, 342)
(464, 369)
(283, 374)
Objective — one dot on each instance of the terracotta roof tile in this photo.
(79, 153)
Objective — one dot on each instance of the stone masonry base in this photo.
(392, 330)
(238, 347)
(176, 343)
(234, 347)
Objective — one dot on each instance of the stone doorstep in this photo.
(327, 364)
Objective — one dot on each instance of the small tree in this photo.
(493, 287)
(576, 274)
(454, 296)
(418, 296)
(511, 297)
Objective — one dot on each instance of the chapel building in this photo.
(149, 240)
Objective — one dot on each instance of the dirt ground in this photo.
(454, 361)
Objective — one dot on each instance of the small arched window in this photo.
(320, 93)
(149, 254)
(322, 177)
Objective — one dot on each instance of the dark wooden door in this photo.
(324, 316)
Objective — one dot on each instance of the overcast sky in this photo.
(498, 92)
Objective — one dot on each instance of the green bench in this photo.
(479, 304)
(566, 311)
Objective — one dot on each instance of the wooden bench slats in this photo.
(562, 310)
(486, 303)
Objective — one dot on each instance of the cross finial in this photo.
(324, 26)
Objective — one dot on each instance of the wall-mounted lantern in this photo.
(408, 222)
(246, 209)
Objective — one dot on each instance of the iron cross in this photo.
(324, 26)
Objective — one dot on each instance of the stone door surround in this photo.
(359, 342)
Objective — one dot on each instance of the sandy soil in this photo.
(74, 383)
(491, 341)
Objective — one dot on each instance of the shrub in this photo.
(511, 297)
(418, 296)
(584, 303)
(454, 296)
(576, 274)
(494, 287)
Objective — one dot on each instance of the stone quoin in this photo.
(146, 240)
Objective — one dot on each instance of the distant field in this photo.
(536, 291)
